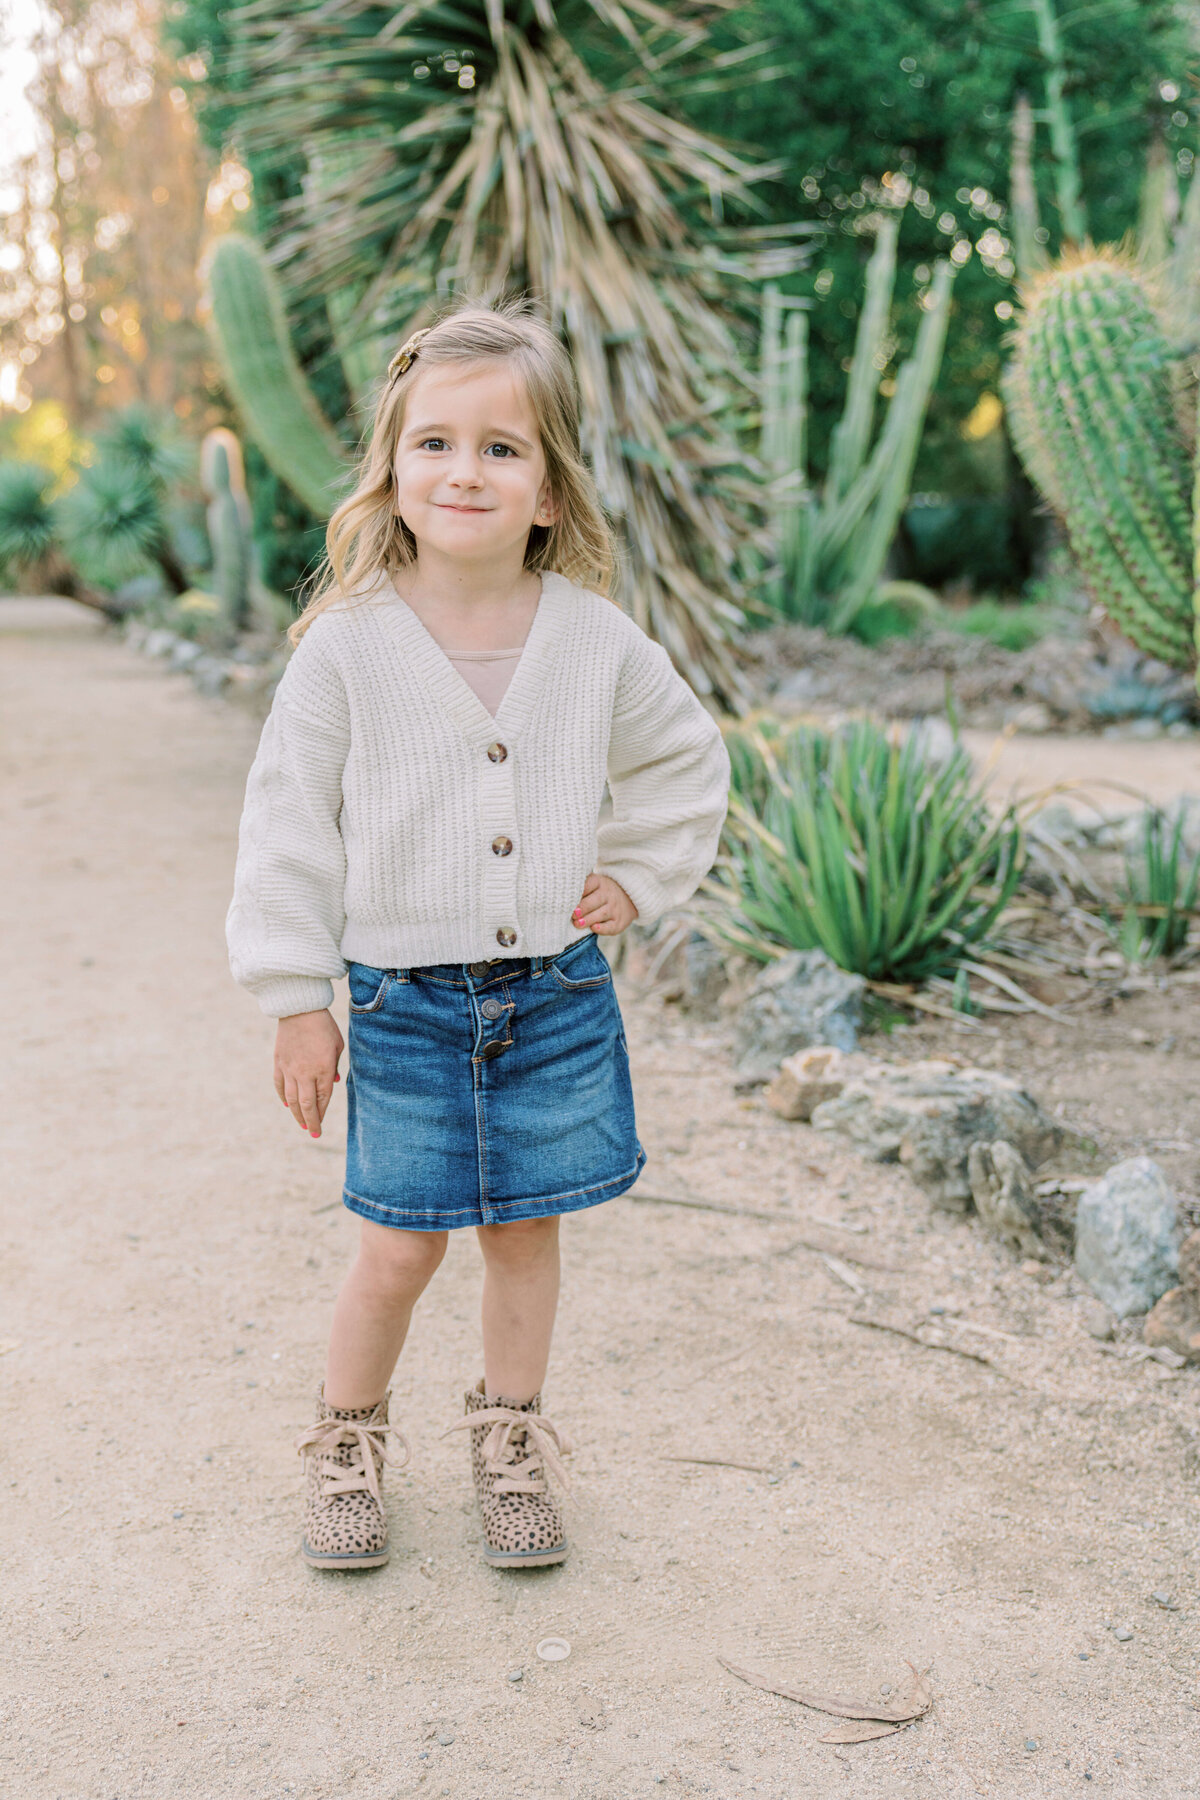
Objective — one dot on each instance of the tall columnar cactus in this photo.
(1092, 408)
(832, 546)
(237, 578)
(230, 523)
(250, 332)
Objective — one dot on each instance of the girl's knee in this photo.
(520, 1241)
(400, 1259)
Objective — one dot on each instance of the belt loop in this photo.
(535, 967)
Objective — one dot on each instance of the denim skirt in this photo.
(489, 1091)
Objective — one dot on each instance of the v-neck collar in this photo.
(430, 663)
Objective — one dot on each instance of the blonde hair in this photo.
(366, 537)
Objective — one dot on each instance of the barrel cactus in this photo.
(1092, 400)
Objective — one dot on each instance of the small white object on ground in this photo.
(553, 1649)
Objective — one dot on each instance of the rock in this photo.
(800, 1001)
(1189, 1263)
(1123, 1634)
(704, 976)
(1125, 1230)
(184, 653)
(1098, 1322)
(928, 1115)
(1005, 1198)
(210, 674)
(1173, 1323)
(807, 1079)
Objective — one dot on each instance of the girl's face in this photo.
(470, 470)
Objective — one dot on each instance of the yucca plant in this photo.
(530, 145)
(32, 557)
(866, 848)
(112, 527)
(1160, 889)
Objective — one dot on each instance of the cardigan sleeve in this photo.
(668, 777)
(285, 922)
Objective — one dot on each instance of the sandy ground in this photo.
(171, 1246)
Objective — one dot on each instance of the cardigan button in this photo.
(502, 846)
(506, 935)
(497, 752)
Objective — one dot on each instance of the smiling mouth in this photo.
(447, 506)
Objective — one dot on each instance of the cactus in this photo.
(250, 333)
(229, 523)
(1064, 144)
(236, 567)
(831, 549)
(1090, 398)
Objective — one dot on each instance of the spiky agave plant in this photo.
(477, 147)
(867, 848)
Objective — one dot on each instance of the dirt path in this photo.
(171, 1246)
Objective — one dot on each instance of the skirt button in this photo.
(491, 1009)
(479, 969)
(491, 1049)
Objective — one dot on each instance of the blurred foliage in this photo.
(923, 91)
(290, 537)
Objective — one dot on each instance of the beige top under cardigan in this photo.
(487, 672)
(390, 819)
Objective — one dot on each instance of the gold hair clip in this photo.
(402, 361)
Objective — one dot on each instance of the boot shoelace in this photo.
(515, 1435)
(360, 1473)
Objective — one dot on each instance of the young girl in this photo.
(426, 815)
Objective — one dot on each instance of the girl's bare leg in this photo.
(373, 1309)
(520, 1297)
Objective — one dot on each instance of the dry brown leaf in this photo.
(859, 1731)
(842, 1706)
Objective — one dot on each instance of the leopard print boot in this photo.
(512, 1447)
(345, 1526)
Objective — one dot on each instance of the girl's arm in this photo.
(285, 923)
(668, 775)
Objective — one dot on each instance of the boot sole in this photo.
(367, 1559)
(518, 1559)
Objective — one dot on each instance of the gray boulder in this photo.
(928, 1115)
(800, 1000)
(1126, 1236)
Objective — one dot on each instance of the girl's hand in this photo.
(605, 906)
(307, 1049)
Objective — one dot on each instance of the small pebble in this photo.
(1098, 1322)
(445, 1737)
(516, 1674)
(1161, 1598)
(1083, 1656)
(177, 1515)
(1031, 1743)
(1122, 1634)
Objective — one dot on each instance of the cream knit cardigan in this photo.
(383, 794)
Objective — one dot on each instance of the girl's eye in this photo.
(438, 441)
(507, 449)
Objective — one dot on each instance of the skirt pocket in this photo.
(368, 987)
